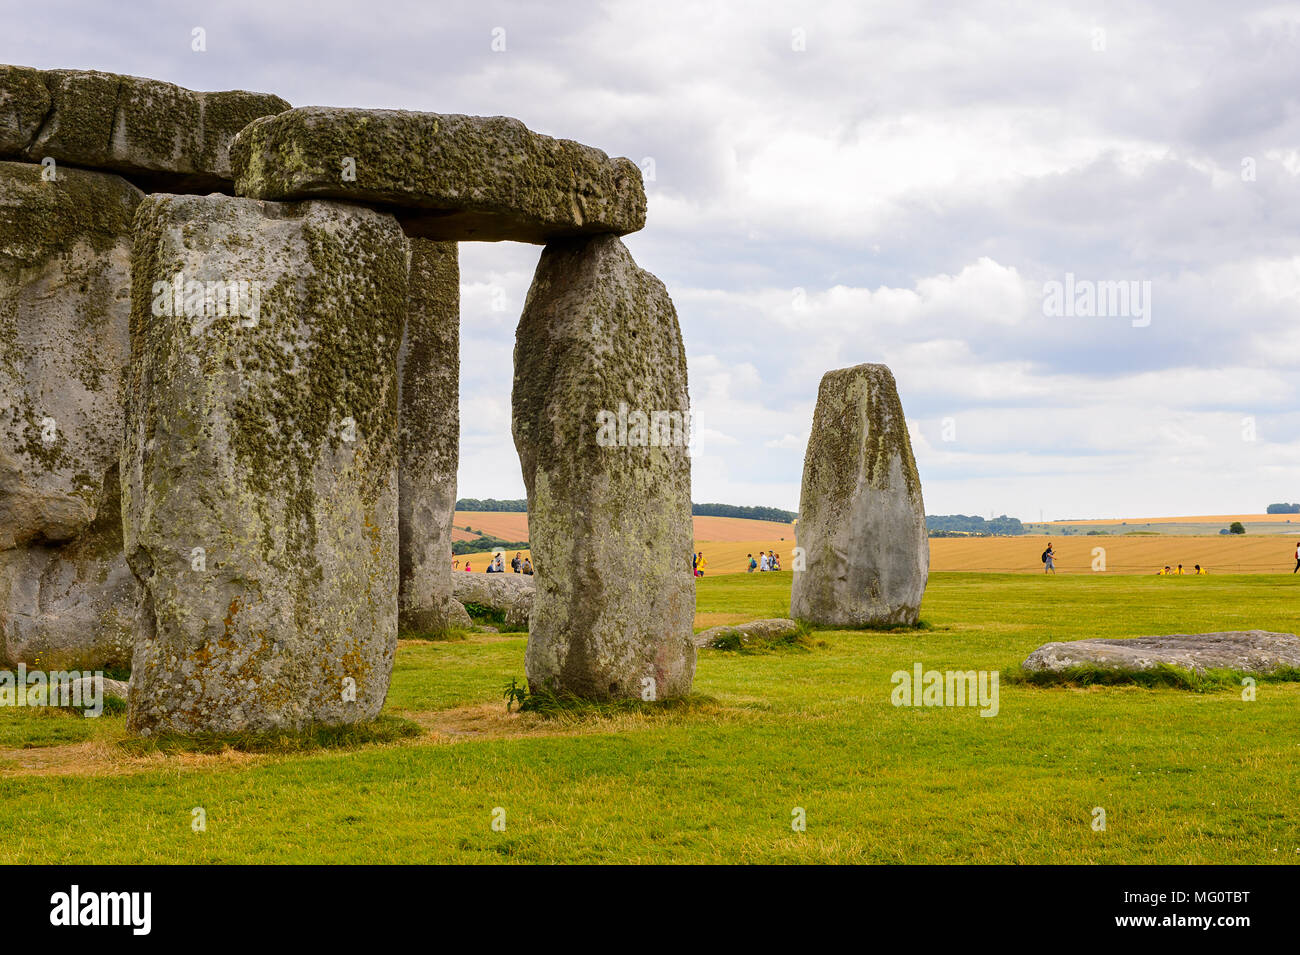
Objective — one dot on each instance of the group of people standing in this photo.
(497, 565)
(764, 562)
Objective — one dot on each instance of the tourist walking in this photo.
(1049, 559)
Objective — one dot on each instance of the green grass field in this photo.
(1182, 776)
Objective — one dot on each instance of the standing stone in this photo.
(429, 418)
(600, 382)
(66, 597)
(259, 468)
(861, 520)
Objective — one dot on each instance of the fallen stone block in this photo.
(755, 631)
(1250, 651)
(509, 594)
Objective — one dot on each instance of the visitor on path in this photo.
(468, 569)
(752, 565)
(528, 566)
(1200, 570)
(1049, 559)
(775, 561)
(764, 565)
(516, 563)
(699, 563)
(1179, 571)
(1297, 556)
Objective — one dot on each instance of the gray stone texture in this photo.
(449, 177)
(609, 526)
(160, 135)
(271, 442)
(429, 419)
(1250, 651)
(861, 518)
(66, 597)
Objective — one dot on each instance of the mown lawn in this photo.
(1182, 776)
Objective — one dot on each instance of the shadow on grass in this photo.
(1160, 676)
(384, 729)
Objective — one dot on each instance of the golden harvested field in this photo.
(1074, 555)
(1236, 554)
(514, 527)
(1216, 519)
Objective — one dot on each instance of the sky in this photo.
(835, 183)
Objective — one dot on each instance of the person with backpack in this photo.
(517, 562)
(753, 564)
(1049, 559)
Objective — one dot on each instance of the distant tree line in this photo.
(1284, 509)
(753, 513)
(492, 504)
(962, 525)
(699, 510)
(486, 542)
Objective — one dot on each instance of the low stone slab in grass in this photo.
(511, 594)
(756, 631)
(449, 177)
(1249, 651)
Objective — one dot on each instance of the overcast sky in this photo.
(835, 184)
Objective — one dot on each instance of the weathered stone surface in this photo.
(65, 247)
(161, 135)
(861, 518)
(773, 628)
(269, 441)
(69, 606)
(24, 104)
(609, 521)
(1251, 651)
(455, 177)
(429, 418)
(511, 594)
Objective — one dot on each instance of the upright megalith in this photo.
(600, 421)
(450, 177)
(865, 553)
(259, 467)
(429, 420)
(66, 597)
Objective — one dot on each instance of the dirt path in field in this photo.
(482, 721)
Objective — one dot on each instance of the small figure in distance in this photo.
(1297, 556)
(1166, 572)
(468, 569)
(764, 565)
(699, 564)
(776, 561)
(516, 563)
(751, 564)
(1200, 570)
(1179, 571)
(1049, 559)
(528, 566)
